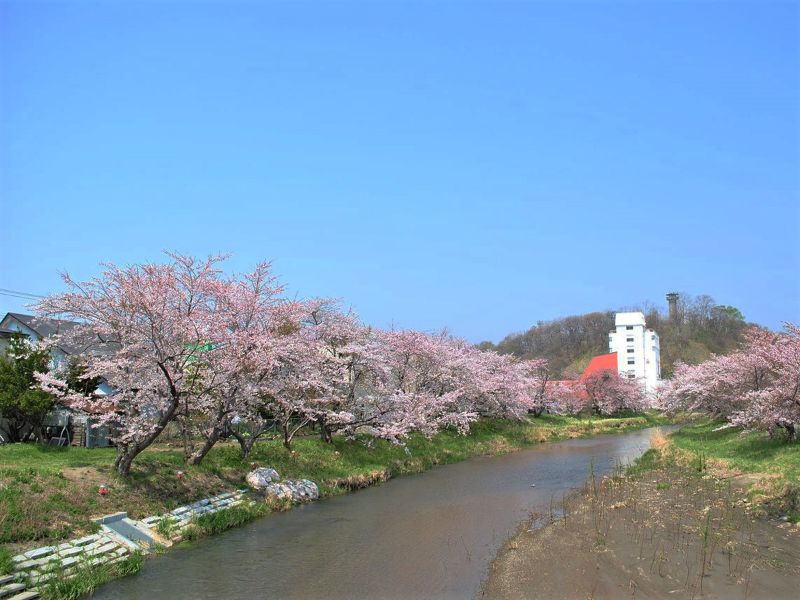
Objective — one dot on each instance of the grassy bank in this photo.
(769, 468)
(49, 494)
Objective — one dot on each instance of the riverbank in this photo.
(681, 523)
(767, 469)
(50, 494)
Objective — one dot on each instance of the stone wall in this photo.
(36, 567)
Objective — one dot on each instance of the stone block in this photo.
(11, 588)
(68, 562)
(84, 540)
(105, 549)
(39, 552)
(71, 551)
(28, 595)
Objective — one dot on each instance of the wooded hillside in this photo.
(702, 327)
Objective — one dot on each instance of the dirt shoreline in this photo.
(665, 531)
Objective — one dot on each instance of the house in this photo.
(69, 424)
(36, 329)
(603, 362)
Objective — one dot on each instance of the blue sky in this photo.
(476, 166)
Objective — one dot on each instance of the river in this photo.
(430, 535)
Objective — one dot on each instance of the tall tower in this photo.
(638, 349)
(672, 300)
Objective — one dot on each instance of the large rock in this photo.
(262, 477)
(306, 490)
(295, 490)
(279, 491)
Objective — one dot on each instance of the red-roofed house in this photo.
(604, 362)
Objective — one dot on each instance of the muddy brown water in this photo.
(430, 535)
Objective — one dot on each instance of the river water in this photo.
(430, 535)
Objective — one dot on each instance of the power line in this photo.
(18, 294)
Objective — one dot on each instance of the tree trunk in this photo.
(197, 457)
(325, 434)
(246, 444)
(325, 431)
(125, 456)
(287, 436)
(128, 451)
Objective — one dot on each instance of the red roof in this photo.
(604, 362)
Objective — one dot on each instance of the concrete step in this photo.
(6, 579)
(10, 589)
(29, 595)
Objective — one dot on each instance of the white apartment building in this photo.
(638, 349)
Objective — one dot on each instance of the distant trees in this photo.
(215, 354)
(562, 341)
(703, 328)
(23, 405)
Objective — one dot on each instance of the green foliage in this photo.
(165, 527)
(76, 379)
(236, 516)
(647, 462)
(6, 564)
(21, 404)
(87, 578)
(191, 533)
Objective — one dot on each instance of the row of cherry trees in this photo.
(601, 392)
(182, 344)
(756, 387)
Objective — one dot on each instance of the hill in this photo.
(701, 327)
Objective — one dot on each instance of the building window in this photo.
(629, 327)
(630, 339)
(653, 337)
(631, 376)
(631, 350)
(631, 361)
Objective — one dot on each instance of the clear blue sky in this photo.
(478, 166)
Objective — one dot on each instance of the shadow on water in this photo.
(430, 535)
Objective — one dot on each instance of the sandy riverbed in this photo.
(667, 533)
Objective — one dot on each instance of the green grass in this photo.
(754, 453)
(749, 452)
(228, 518)
(6, 564)
(49, 494)
(87, 578)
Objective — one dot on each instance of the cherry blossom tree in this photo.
(774, 401)
(755, 387)
(567, 397)
(252, 316)
(142, 328)
(181, 342)
(609, 394)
